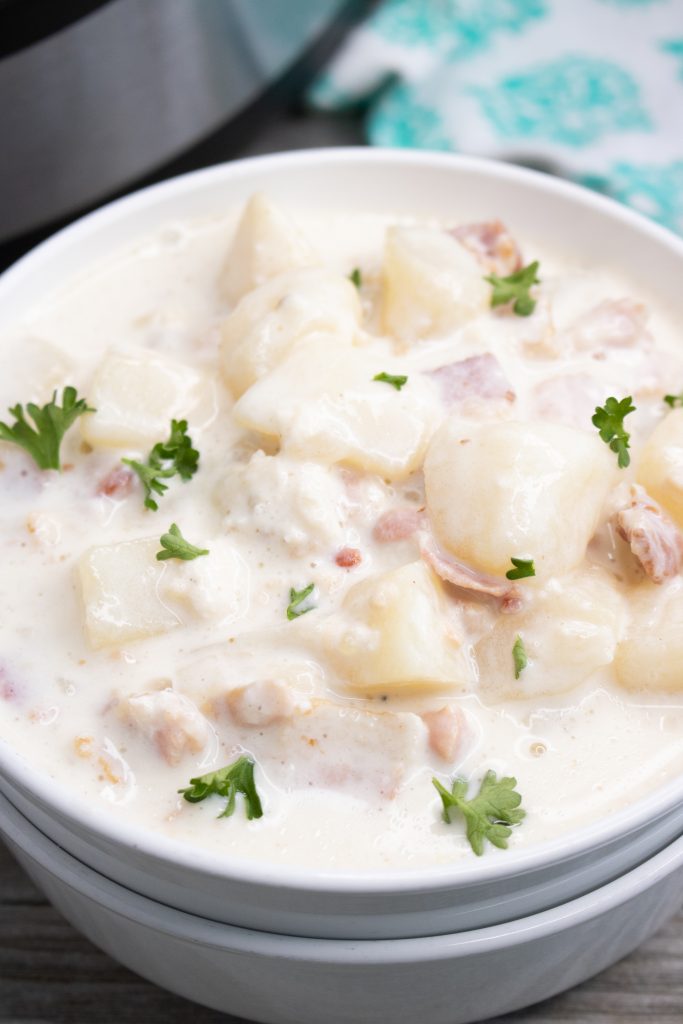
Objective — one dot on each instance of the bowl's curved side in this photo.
(421, 183)
(278, 979)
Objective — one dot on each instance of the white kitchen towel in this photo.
(592, 89)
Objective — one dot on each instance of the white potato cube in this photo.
(323, 404)
(432, 284)
(394, 633)
(523, 490)
(650, 657)
(211, 588)
(120, 588)
(660, 466)
(266, 243)
(269, 321)
(569, 630)
(136, 394)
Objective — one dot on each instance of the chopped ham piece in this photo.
(465, 578)
(397, 524)
(613, 323)
(653, 538)
(476, 377)
(118, 483)
(492, 244)
(348, 558)
(446, 728)
(169, 720)
(570, 398)
(343, 747)
(261, 703)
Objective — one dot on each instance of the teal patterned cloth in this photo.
(592, 89)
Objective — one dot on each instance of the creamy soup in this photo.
(395, 546)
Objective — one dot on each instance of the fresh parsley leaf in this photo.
(227, 782)
(519, 656)
(296, 598)
(396, 381)
(515, 288)
(609, 419)
(674, 400)
(175, 457)
(43, 440)
(175, 546)
(356, 277)
(489, 814)
(523, 567)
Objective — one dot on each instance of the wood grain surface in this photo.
(49, 974)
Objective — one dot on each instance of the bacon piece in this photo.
(170, 721)
(613, 323)
(466, 578)
(446, 728)
(348, 558)
(397, 524)
(475, 377)
(117, 484)
(261, 703)
(654, 539)
(492, 244)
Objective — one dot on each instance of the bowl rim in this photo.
(498, 864)
(139, 909)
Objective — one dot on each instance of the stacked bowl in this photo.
(449, 944)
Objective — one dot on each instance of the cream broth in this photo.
(122, 677)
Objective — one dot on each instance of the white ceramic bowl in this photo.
(281, 979)
(495, 888)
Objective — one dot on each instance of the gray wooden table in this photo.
(49, 974)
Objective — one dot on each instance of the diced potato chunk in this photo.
(432, 284)
(136, 394)
(348, 748)
(120, 587)
(269, 321)
(211, 588)
(650, 657)
(394, 633)
(324, 405)
(660, 466)
(266, 243)
(569, 630)
(523, 490)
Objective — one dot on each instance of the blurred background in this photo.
(98, 97)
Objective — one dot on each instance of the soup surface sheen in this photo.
(384, 514)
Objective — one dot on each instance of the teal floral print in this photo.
(654, 190)
(574, 100)
(400, 119)
(675, 47)
(463, 27)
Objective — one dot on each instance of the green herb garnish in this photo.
(519, 656)
(296, 598)
(609, 419)
(175, 546)
(489, 814)
(396, 381)
(674, 400)
(51, 422)
(356, 277)
(515, 288)
(175, 457)
(228, 782)
(523, 567)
